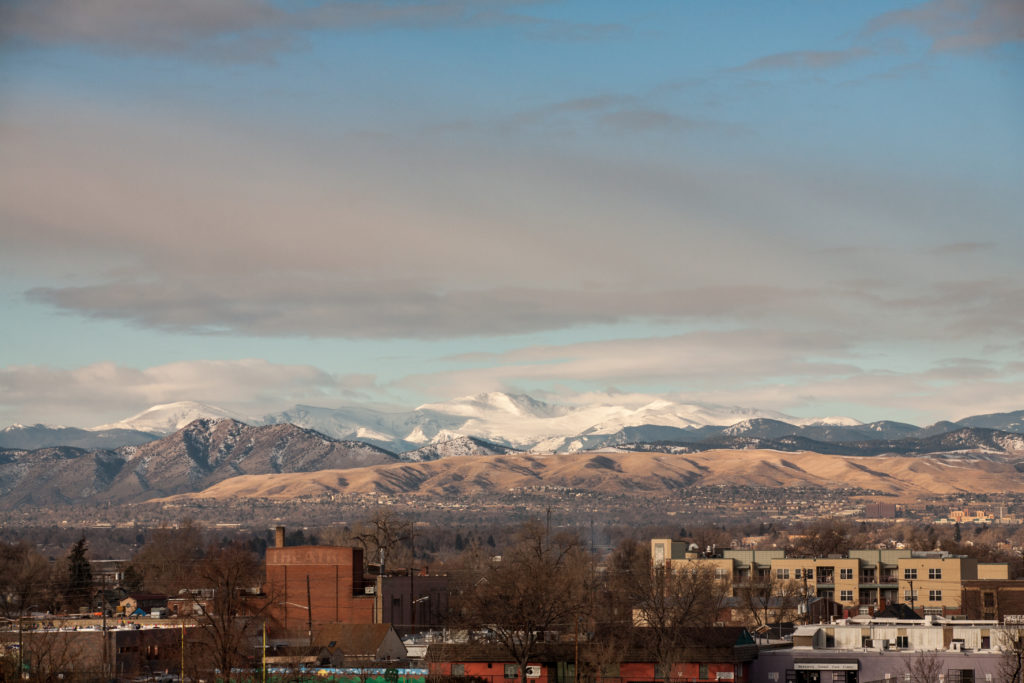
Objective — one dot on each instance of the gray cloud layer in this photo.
(204, 229)
(253, 30)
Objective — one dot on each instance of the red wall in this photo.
(336, 585)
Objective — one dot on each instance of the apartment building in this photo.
(931, 582)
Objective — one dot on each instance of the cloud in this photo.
(254, 30)
(961, 248)
(804, 375)
(202, 228)
(959, 25)
(806, 59)
(105, 391)
(618, 112)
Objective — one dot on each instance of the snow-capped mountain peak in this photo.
(170, 417)
(833, 421)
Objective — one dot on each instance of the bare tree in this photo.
(666, 602)
(1011, 642)
(767, 599)
(167, 562)
(382, 535)
(823, 538)
(611, 608)
(925, 668)
(538, 585)
(228, 627)
(25, 579)
(47, 656)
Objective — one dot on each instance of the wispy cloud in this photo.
(256, 30)
(102, 392)
(958, 25)
(806, 59)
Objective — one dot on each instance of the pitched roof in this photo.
(354, 640)
(898, 610)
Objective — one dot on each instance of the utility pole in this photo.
(106, 645)
(576, 648)
(309, 612)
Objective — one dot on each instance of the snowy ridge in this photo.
(514, 420)
(170, 417)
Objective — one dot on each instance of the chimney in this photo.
(279, 537)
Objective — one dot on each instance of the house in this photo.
(141, 603)
(108, 600)
(360, 644)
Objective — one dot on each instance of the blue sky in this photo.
(800, 206)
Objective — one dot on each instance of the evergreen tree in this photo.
(78, 587)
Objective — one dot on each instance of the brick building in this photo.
(317, 583)
(1002, 600)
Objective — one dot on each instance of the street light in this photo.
(310, 613)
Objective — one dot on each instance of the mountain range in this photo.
(219, 454)
(514, 421)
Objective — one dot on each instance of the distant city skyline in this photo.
(810, 208)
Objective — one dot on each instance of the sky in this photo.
(808, 207)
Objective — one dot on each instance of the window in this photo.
(798, 573)
(902, 642)
(781, 573)
(721, 574)
(702, 673)
(458, 669)
(511, 671)
(909, 574)
(935, 596)
(845, 596)
(845, 573)
(989, 598)
(909, 596)
(935, 573)
(986, 642)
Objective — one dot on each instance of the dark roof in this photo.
(897, 610)
(353, 640)
(147, 597)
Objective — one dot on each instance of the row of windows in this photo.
(933, 573)
(846, 574)
(933, 596)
